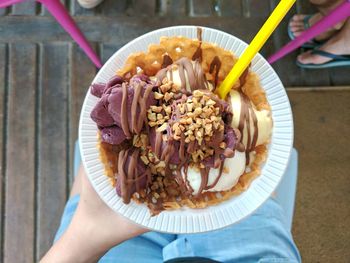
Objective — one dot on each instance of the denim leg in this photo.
(261, 236)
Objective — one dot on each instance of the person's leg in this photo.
(300, 22)
(145, 248)
(339, 44)
(262, 237)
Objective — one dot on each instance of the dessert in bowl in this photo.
(166, 140)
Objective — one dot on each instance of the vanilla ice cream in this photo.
(186, 74)
(233, 168)
(264, 120)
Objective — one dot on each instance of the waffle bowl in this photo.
(212, 210)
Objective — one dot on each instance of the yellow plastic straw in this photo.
(259, 40)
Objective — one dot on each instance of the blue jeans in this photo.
(262, 237)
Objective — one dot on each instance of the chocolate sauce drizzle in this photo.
(138, 109)
(247, 112)
(129, 174)
(193, 71)
(198, 54)
(196, 79)
(215, 65)
(167, 61)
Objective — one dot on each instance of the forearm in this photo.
(77, 247)
(86, 242)
(94, 229)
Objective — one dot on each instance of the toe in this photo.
(298, 18)
(295, 29)
(296, 25)
(297, 32)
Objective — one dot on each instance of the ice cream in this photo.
(120, 114)
(233, 168)
(122, 109)
(199, 132)
(256, 126)
(186, 74)
(171, 140)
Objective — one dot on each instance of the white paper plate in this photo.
(214, 217)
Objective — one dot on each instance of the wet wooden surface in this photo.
(43, 80)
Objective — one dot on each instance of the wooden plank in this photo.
(171, 7)
(200, 8)
(112, 7)
(3, 64)
(259, 8)
(230, 7)
(339, 76)
(107, 50)
(142, 8)
(20, 155)
(45, 12)
(286, 67)
(116, 30)
(25, 8)
(245, 8)
(82, 72)
(319, 77)
(52, 146)
(4, 11)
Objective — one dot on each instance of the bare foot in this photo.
(297, 26)
(336, 45)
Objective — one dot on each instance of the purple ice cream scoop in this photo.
(100, 113)
(107, 112)
(116, 97)
(98, 89)
(112, 135)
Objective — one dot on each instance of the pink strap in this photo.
(6, 3)
(62, 16)
(340, 13)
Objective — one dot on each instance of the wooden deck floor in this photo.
(43, 80)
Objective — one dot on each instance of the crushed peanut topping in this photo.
(199, 119)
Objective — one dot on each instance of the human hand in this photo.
(94, 229)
